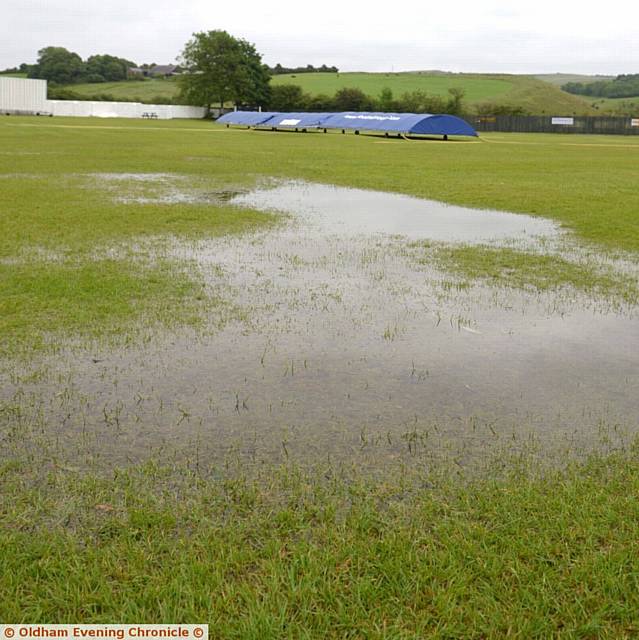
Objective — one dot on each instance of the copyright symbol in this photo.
(9, 632)
(197, 632)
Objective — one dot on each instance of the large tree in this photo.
(220, 68)
(57, 64)
(107, 68)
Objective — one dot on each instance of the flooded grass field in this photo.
(167, 306)
(347, 339)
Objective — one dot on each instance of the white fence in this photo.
(88, 108)
(22, 96)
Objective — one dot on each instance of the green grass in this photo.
(583, 182)
(40, 300)
(296, 556)
(533, 95)
(563, 78)
(586, 183)
(542, 98)
(528, 553)
(524, 270)
(49, 208)
(614, 106)
(72, 215)
(477, 88)
(130, 91)
(599, 106)
(528, 92)
(59, 227)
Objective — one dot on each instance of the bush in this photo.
(55, 92)
(353, 99)
(94, 78)
(321, 102)
(419, 101)
(491, 109)
(288, 97)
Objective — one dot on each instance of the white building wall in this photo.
(22, 96)
(181, 111)
(87, 108)
(19, 95)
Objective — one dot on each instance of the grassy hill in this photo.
(614, 106)
(477, 88)
(543, 98)
(600, 106)
(131, 91)
(531, 93)
(562, 78)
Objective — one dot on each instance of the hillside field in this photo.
(476, 88)
(130, 91)
(614, 106)
(533, 95)
(562, 78)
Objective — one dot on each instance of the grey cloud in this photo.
(146, 31)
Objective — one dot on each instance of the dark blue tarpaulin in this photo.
(297, 120)
(400, 123)
(246, 118)
(406, 123)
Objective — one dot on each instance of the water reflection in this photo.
(354, 211)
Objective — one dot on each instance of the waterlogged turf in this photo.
(355, 347)
(348, 327)
(246, 415)
(584, 182)
(355, 211)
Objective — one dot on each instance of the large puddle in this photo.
(357, 211)
(350, 349)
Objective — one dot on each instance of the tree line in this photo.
(61, 66)
(278, 69)
(218, 69)
(623, 86)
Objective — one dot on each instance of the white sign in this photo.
(564, 121)
(105, 631)
(634, 122)
(371, 117)
(290, 122)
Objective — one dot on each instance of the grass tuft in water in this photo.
(542, 272)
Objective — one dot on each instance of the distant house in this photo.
(156, 71)
(164, 70)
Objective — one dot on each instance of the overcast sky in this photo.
(540, 36)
